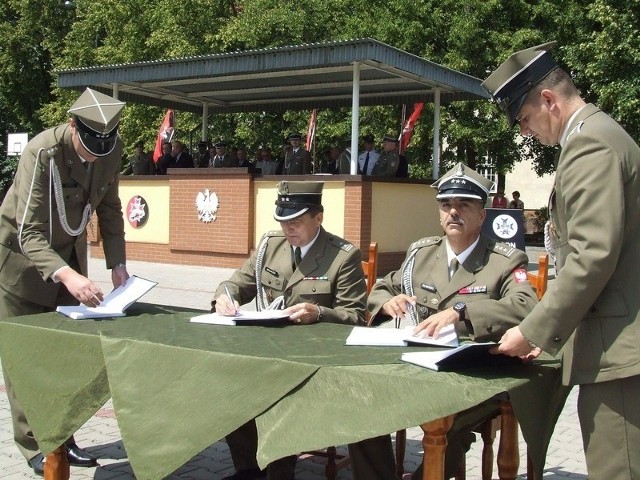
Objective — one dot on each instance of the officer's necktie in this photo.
(453, 267)
(366, 165)
(296, 258)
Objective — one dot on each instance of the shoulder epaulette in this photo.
(341, 243)
(425, 242)
(503, 249)
(274, 233)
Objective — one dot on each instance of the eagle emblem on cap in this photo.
(207, 204)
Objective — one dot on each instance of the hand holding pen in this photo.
(228, 307)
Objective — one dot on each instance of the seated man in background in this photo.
(463, 279)
(314, 275)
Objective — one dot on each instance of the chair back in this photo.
(370, 267)
(539, 280)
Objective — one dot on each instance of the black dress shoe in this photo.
(249, 474)
(78, 457)
(37, 463)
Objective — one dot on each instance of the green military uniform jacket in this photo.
(330, 275)
(344, 163)
(140, 165)
(593, 307)
(386, 165)
(28, 260)
(298, 163)
(492, 282)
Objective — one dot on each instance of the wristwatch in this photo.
(461, 308)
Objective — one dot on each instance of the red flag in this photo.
(165, 134)
(407, 130)
(311, 131)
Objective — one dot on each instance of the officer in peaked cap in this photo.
(387, 163)
(312, 274)
(463, 182)
(297, 160)
(64, 175)
(463, 280)
(592, 313)
(512, 80)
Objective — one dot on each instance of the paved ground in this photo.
(192, 287)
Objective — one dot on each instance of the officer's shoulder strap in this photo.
(503, 249)
(426, 242)
(341, 243)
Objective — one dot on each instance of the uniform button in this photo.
(313, 289)
(557, 339)
(269, 282)
(489, 328)
(434, 301)
(277, 282)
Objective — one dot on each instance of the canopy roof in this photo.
(297, 77)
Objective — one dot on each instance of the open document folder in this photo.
(468, 355)
(400, 337)
(245, 317)
(114, 304)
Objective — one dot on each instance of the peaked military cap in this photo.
(221, 144)
(523, 70)
(96, 117)
(390, 138)
(295, 136)
(295, 198)
(368, 139)
(463, 182)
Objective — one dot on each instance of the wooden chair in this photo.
(490, 427)
(337, 461)
(539, 280)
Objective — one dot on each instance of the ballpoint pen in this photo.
(230, 297)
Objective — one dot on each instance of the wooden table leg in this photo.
(434, 442)
(508, 455)
(57, 465)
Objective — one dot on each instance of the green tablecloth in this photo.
(178, 387)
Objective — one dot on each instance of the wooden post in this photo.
(57, 465)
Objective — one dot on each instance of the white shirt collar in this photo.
(305, 249)
(463, 255)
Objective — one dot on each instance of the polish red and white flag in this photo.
(409, 125)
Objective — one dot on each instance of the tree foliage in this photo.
(598, 43)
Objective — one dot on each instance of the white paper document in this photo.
(400, 337)
(467, 355)
(114, 304)
(244, 317)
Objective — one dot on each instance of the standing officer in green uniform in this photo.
(64, 175)
(463, 279)
(387, 163)
(314, 275)
(297, 160)
(140, 163)
(593, 307)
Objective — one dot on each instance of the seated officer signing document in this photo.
(314, 275)
(465, 279)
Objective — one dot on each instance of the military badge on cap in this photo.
(295, 199)
(295, 136)
(96, 117)
(523, 70)
(463, 182)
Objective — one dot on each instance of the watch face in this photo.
(459, 307)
